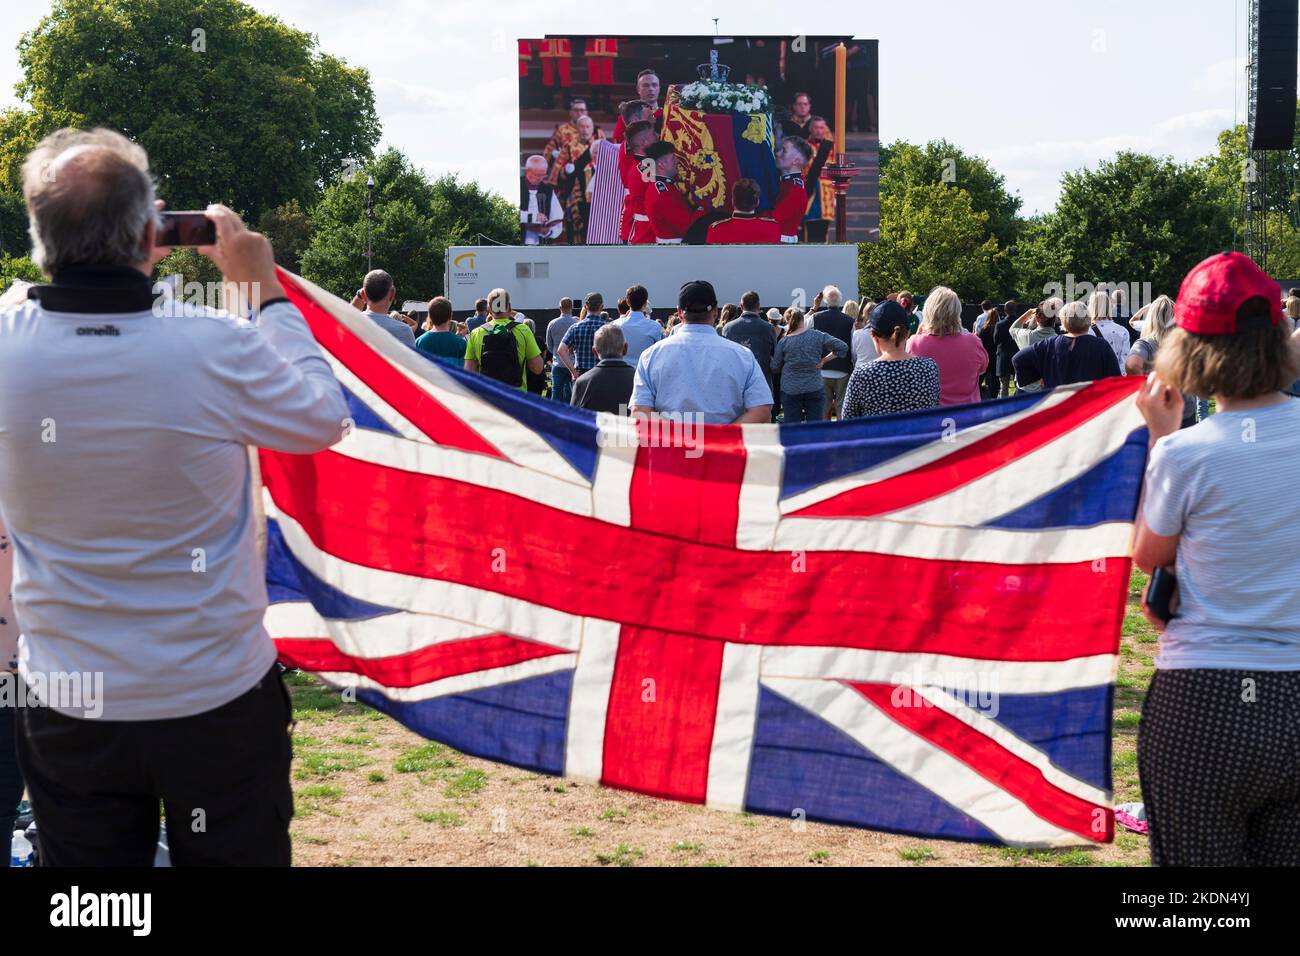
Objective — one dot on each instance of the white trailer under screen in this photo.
(537, 277)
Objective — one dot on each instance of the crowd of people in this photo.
(837, 360)
(125, 489)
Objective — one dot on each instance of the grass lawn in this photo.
(370, 792)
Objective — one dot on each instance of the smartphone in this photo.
(1160, 593)
(185, 229)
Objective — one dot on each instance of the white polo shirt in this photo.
(125, 486)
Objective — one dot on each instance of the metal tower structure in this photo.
(1256, 161)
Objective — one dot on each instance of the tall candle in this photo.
(841, 62)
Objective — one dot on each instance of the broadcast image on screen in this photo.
(696, 140)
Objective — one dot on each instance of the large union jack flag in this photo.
(907, 623)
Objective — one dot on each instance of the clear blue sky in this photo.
(1038, 87)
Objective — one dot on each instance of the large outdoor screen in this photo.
(706, 159)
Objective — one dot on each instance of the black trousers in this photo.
(816, 230)
(1219, 762)
(222, 778)
(989, 384)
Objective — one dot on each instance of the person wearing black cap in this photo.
(699, 373)
(670, 214)
(896, 381)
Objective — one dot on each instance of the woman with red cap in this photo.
(1218, 748)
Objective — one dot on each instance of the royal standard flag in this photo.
(714, 150)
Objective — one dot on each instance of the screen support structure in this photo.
(1256, 212)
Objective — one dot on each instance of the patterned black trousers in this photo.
(1219, 762)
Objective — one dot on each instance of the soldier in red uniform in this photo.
(557, 57)
(647, 91)
(796, 189)
(792, 198)
(744, 226)
(669, 212)
(636, 178)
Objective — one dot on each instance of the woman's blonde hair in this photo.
(1292, 308)
(1256, 359)
(851, 309)
(1099, 306)
(793, 319)
(1159, 320)
(942, 312)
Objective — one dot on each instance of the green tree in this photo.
(289, 230)
(939, 162)
(190, 265)
(1133, 219)
(414, 223)
(13, 222)
(1229, 167)
(930, 234)
(904, 164)
(17, 267)
(232, 105)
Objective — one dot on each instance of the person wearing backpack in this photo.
(503, 349)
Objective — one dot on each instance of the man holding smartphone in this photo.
(126, 486)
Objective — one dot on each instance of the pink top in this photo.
(962, 359)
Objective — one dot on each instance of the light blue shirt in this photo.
(697, 371)
(398, 330)
(1224, 487)
(641, 332)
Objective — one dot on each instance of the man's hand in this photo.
(158, 253)
(243, 256)
(758, 415)
(1161, 406)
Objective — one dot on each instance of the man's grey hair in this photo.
(535, 160)
(609, 341)
(832, 296)
(89, 198)
(1075, 318)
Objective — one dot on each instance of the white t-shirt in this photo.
(8, 621)
(864, 346)
(1236, 566)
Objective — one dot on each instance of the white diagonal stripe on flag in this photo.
(966, 673)
(922, 761)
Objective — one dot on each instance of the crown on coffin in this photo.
(713, 71)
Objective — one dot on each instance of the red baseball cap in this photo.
(1215, 289)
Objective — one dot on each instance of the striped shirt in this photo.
(1238, 607)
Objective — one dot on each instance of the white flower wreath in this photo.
(716, 97)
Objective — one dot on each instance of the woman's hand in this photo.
(1161, 406)
(1150, 615)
